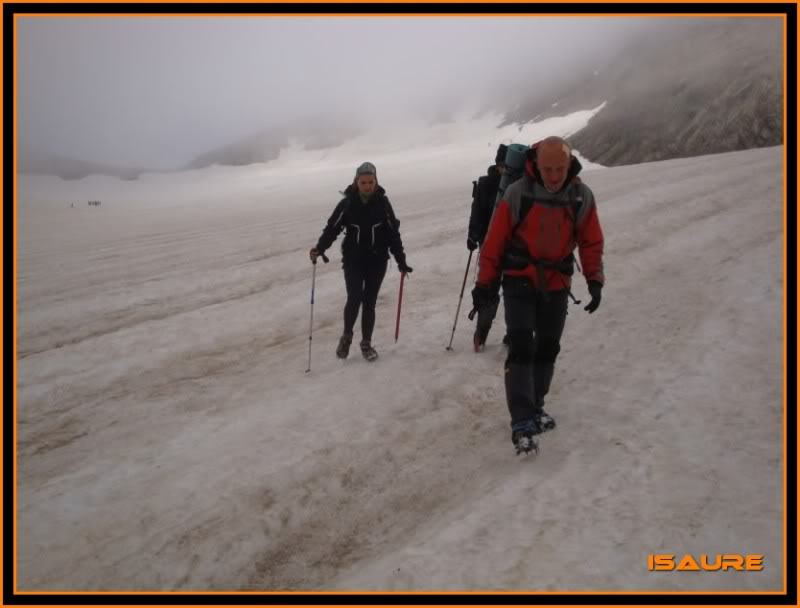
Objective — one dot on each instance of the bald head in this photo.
(553, 147)
(552, 161)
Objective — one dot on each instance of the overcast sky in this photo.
(157, 91)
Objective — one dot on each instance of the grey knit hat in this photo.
(366, 169)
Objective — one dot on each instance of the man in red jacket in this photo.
(536, 226)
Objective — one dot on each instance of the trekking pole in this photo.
(311, 320)
(569, 292)
(573, 297)
(460, 297)
(399, 304)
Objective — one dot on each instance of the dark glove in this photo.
(472, 244)
(316, 253)
(404, 268)
(595, 290)
(481, 297)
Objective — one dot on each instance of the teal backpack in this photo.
(515, 167)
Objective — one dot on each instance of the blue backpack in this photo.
(515, 167)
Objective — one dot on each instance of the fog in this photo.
(157, 91)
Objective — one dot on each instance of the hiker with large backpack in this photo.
(487, 192)
(484, 196)
(371, 231)
(537, 224)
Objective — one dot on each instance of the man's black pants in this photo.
(535, 321)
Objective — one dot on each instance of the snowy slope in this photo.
(169, 437)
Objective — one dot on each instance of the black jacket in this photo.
(371, 228)
(484, 194)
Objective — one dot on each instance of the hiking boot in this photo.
(344, 346)
(543, 422)
(524, 442)
(370, 354)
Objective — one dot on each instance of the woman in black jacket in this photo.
(371, 231)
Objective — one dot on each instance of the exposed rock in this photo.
(696, 88)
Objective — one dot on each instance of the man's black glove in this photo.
(404, 268)
(595, 290)
(472, 244)
(481, 297)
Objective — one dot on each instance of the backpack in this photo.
(515, 167)
(516, 155)
(575, 200)
(515, 260)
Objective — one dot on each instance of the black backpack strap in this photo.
(525, 205)
(576, 202)
(516, 255)
(515, 259)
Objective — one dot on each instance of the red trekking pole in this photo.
(399, 304)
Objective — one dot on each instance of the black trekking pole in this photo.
(569, 292)
(311, 320)
(460, 297)
(573, 297)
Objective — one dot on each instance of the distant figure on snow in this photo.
(537, 224)
(371, 231)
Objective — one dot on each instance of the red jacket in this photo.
(547, 233)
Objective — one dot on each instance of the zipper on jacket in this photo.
(373, 232)
(358, 232)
